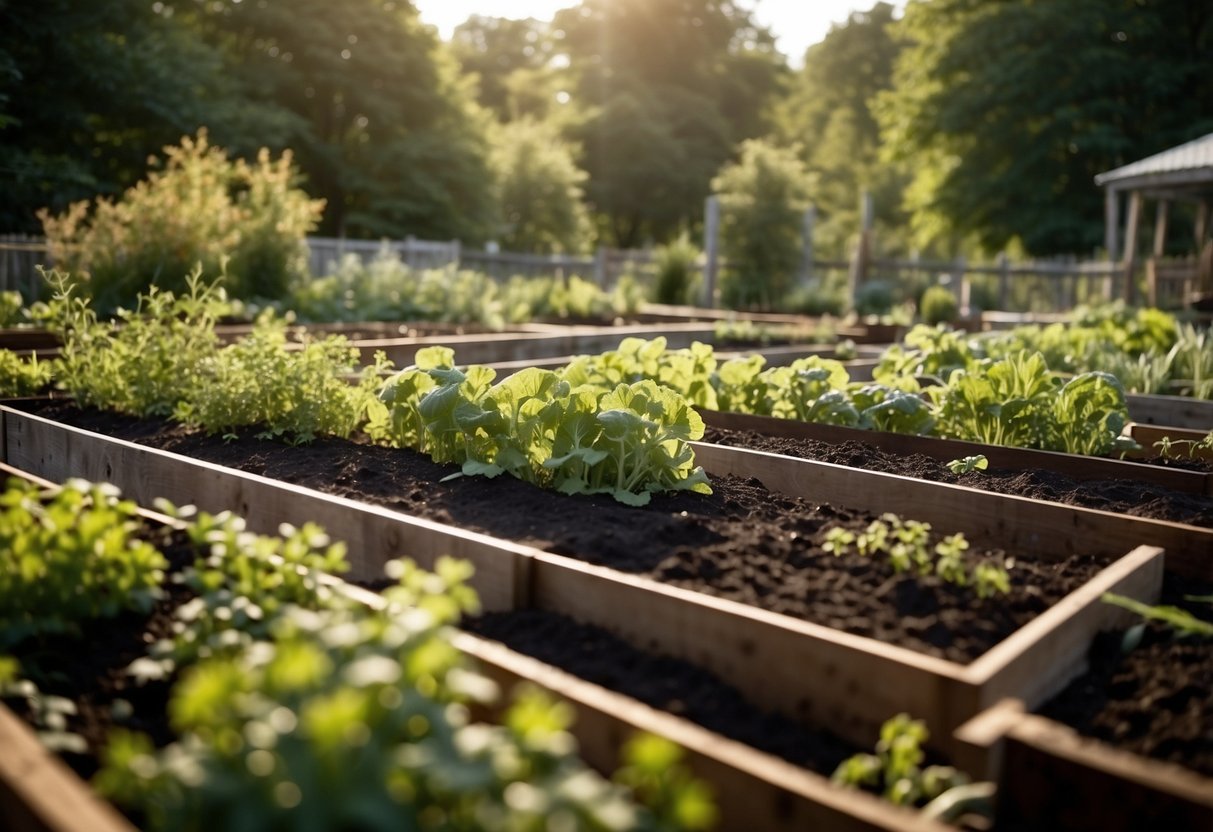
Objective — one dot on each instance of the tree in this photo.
(828, 111)
(500, 52)
(763, 197)
(88, 90)
(381, 124)
(539, 189)
(1007, 110)
(669, 87)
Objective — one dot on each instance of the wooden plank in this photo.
(374, 534)
(1048, 530)
(1074, 466)
(810, 673)
(39, 793)
(1043, 656)
(752, 790)
(1052, 778)
(1176, 411)
(483, 349)
(1148, 435)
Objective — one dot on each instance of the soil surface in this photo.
(1121, 496)
(742, 542)
(1153, 699)
(664, 683)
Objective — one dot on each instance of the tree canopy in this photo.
(1005, 111)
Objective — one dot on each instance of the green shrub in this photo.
(938, 306)
(675, 271)
(245, 220)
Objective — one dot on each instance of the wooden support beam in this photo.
(1129, 261)
(1110, 223)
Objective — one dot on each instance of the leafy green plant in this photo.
(146, 360)
(906, 544)
(298, 393)
(675, 263)
(21, 376)
(627, 441)
(939, 306)
(1184, 623)
(70, 556)
(12, 305)
(895, 770)
(968, 464)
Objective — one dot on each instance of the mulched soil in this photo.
(661, 682)
(90, 667)
(1153, 699)
(742, 542)
(1129, 497)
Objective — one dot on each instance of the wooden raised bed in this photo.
(776, 661)
(480, 349)
(1048, 530)
(1147, 435)
(1177, 411)
(1074, 466)
(39, 793)
(1050, 777)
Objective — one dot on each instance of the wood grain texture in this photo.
(1176, 411)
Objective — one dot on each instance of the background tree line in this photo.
(976, 124)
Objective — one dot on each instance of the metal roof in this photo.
(1190, 162)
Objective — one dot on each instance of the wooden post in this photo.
(1111, 219)
(806, 266)
(1160, 228)
(1004, 281)
(711, 230)
(600, 271)
(1129, 261)
(858, 273)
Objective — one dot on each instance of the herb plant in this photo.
(1184, 623)
(968, 464)
(70, 556)
(21, 376)
(896, 770)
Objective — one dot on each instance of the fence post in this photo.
(806, 266)
(858, 273)
(711, 230)
(1129, 263)
(600, 274)
(1004, 281)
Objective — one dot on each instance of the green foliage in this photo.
(895, 770)
(828, 109)
(664, 90)
(12, 307)
(145, 361)
(675, 264)
(1184, 623)
(506, 57)
(22, 376)
(382, 126)
(1006, 111)
(763, 197)
(968, 464)
(294, 393)
(653, 770)
(70, 556)
(938, 306)
(539, 189)
(906, 544)
(245, 221)
(627, 441)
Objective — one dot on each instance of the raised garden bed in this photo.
(1192, 480)
(751, 788)
(1175, 411)
(775, 658)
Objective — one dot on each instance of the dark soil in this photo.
(661, 682)
(1120, 496)
(89, 668)
(1154, 699)
(742, 542)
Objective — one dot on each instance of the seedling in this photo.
(968, 464)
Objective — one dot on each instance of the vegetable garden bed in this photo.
(751, 788)
(1072, 466)
(773, 658)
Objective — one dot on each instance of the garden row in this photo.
(772, 590)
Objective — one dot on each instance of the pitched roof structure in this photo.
(1190, 164)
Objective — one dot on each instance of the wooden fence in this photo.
(1033, 286)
